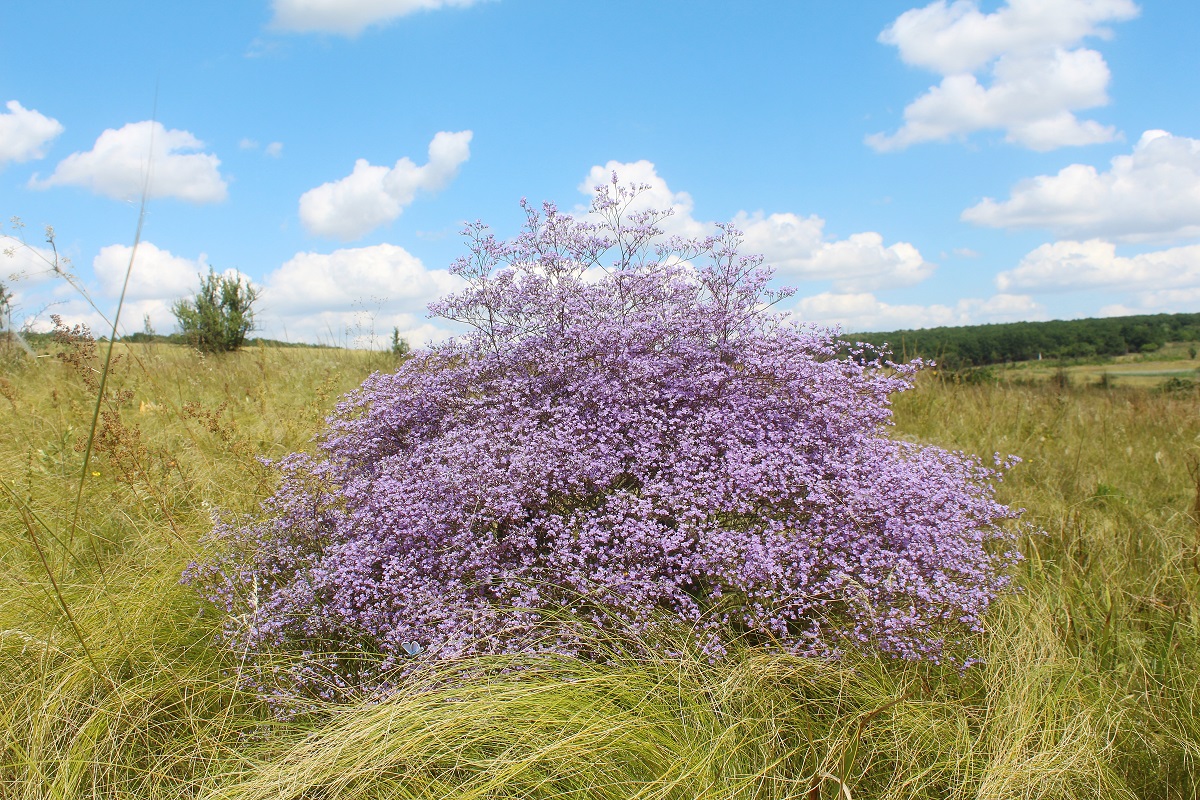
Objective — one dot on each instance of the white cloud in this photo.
(22, 263)
(349, 17)
(159, 278)
(958, 38)
(1167, 301)
(657, 195)
(367, 327)
(797, 248)
(156, 275)
(371, 196)
(274, 149)
(1071, 265)
(862, 311)
(1038, 75)
(1153, 194)
(319, 296)
(116, 166)
(24, 133)
(136, 312)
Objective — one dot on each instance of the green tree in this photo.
(400, 347)
(218, 318)
(5, 307)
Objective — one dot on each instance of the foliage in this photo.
(956, 348)
(611, 441)
(218, 318)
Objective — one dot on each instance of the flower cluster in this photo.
(628, 429)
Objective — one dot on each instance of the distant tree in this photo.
(964, 347)
(6, 334)
(400, 346)
(218, 318)
(5, 307)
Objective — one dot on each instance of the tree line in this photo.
(982, 345)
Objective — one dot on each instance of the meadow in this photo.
(110, 685)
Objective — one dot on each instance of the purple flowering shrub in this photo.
(628, 429)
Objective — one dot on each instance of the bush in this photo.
(613, 444)
(221, 314)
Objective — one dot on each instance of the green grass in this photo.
(110, 685)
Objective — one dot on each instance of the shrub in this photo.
(614, 443)
(218, 318)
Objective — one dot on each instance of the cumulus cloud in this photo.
(958, 37)
(1072, 265)
(795, 246)
(1153, 194)
(356, 292)
(349, 17)
(656, 195)
(862, 311)
(372, 196)
(157, 274)
(117, 165)
(1167, 301)
(1036, 72)
(24, 133)
(22, 263)
(798, 249)
(159, 278)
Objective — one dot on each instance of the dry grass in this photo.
(110, 686)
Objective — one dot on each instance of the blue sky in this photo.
(901, 164)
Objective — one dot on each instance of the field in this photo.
(1172, 363)
(110, 685)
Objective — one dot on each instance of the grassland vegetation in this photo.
(113, 682)
(1088, 686)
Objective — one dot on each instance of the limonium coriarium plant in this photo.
(629, 430)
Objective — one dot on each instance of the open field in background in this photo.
(1172, 363)
(109, 686)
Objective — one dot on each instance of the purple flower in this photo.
(628, 429)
